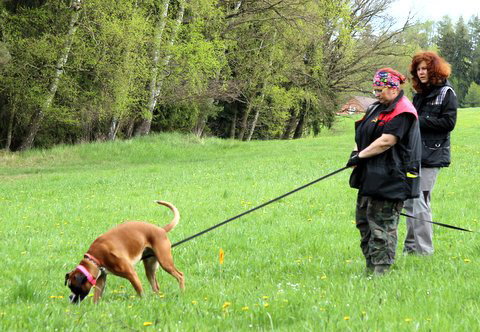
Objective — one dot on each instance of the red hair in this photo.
(438, 69)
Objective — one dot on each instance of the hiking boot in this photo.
(381, 269)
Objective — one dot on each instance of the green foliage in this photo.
(115, 60)
(32, 35)
(472, 99)
(474, 29)
(5, 56)
(456, 45)
(276, 69)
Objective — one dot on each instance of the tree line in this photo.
(459, 43)
(82, 70)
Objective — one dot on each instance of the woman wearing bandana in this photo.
(436, 104)
(386, 163)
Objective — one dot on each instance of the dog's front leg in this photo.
(99, 288)
(132, 276)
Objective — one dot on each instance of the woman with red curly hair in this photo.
(387, 161)
(436, 104)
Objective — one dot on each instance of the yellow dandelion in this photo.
(323, 277)
(226, 305)
(346, 317)
(245, 308)
(221, 256)
(53, 297)
(161, 296)
(194, 302)
(408, 320)
(265, 297)
(205, 298)
(60, 297)
(266, 305)
(147, 323)
(364, 313)
(321, 309)
(353, 222)
(466, 260)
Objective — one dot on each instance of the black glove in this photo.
(354, 160)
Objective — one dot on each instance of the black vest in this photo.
(393, 174)
(438, 113)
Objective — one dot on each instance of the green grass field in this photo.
(293, 265)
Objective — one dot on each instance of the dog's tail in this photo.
(176, 216)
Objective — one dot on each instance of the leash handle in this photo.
(258, 207)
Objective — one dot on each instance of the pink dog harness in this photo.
(87, 274)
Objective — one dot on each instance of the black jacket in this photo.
(437, 111)
(393, 174)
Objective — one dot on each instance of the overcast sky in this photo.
(435, 9)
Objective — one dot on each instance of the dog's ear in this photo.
(66, 277)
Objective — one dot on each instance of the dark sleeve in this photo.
(399, 125)
(447, 118)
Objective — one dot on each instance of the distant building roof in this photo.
(364, 101)
(356, 104)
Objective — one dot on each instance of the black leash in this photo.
(258, 207)
(437, 223)
(285, 195)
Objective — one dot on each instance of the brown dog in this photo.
(118, 250)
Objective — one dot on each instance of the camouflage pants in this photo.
(377, 221)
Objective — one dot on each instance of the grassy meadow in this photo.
(293, 265)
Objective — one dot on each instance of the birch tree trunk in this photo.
(10, 127)
(144, 127)
(246, 113)
(254, 123)
(112, 133)
(52, 90)
(262, 96)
